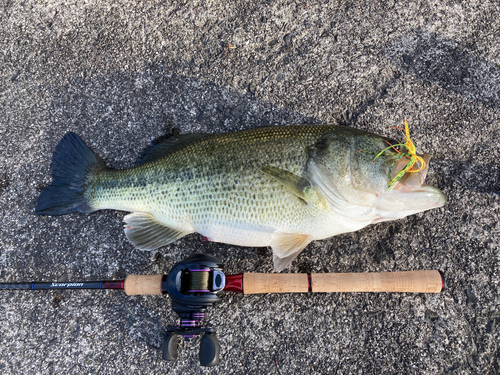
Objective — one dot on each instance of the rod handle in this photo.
(255, 283)
(406, 281)
(143, 284)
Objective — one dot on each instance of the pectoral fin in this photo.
(286, 247)
(147, 233)
(297, 185)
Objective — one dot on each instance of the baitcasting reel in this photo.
(192, 286)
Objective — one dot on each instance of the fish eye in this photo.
(395, 145)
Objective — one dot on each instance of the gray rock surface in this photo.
(121, 73)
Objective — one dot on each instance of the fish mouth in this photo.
(410, 181)
(413, 183)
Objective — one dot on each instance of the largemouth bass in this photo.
(277, 186)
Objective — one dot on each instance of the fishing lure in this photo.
(410, 154)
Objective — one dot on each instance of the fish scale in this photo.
(216, 182)
(277, 186)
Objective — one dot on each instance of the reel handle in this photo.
(209, 350)
(400, 282)
(170, 346)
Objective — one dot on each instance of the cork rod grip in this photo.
(142, 284)
(407, 281)
(254, 283)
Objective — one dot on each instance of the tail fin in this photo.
(72, 162)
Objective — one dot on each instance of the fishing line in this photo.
(199, 280)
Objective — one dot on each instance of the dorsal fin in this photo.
(165, 145)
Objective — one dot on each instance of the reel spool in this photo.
(192, 286)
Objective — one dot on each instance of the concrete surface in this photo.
(121, 73)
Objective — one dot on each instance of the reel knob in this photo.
(209, 350)
(170, 345)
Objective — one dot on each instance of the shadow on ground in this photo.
(434, 58)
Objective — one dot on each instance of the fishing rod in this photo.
(194, 283)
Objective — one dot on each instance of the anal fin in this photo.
(147, 233)
(286, 247)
